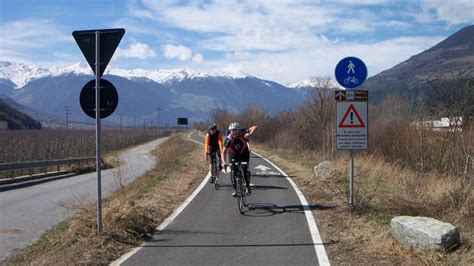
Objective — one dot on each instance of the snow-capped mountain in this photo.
(20, 73)
(178, 92)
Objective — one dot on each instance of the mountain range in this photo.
(145, 96)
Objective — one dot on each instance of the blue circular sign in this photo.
(351, 72)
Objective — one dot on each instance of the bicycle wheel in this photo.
(243, 189)
(240, 194)
(216, 177)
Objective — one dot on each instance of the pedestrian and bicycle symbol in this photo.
(351, 72)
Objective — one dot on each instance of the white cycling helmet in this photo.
(234, 125)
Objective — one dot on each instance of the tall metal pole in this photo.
(67, 111)
(351, 179)
(97, 135)
(158, 117)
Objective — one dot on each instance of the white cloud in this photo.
(22, 39)
(198, 58)
(136, 50)
(30, 34)
(453, 11)
(296, 66)
(266, 25)
(177, 51)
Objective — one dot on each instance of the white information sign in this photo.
(351, 125)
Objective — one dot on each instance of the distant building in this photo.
(443, 124)
(446, 124)
(3, 125)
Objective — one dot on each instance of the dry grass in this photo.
(383, 191)
(362, 236)
(130, 215)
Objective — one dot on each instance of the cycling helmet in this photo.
(212, 126)
(234, 125)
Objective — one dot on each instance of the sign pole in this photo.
(97, 135)
(351, 112)
(351, 178)
(98, 61)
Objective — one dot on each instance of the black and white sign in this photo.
(182, 121)
(108, 98)
(110, 39)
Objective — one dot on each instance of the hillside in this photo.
(16, 119)
(453, 58)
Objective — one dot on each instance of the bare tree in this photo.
(319, 110)
(453, 99)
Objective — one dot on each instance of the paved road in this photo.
(28, 211)
(211, 231)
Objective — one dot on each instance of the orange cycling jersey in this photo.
(214, 142)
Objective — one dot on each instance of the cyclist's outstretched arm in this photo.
(252, 129)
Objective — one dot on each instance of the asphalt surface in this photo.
(28, 210)
(211, 230)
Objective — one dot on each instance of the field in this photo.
(48, 144)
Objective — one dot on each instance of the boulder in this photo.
(321, 169)
(425, 233)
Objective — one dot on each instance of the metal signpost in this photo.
(351, 112)
(98, 47)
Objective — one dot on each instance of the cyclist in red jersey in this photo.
(237, 146)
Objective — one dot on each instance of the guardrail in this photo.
(41, 165)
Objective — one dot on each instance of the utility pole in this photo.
(158, 116)
(67, 112)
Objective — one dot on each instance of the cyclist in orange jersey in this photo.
(213, 144)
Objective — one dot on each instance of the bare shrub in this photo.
(384, 190)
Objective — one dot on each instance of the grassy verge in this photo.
(130, 215)
(382, 191)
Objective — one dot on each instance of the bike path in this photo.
(211, 231)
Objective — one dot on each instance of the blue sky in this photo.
(279, 40)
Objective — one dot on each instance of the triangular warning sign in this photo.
(109, 41)
(351, 119)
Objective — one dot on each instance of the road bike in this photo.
(351, 79)
(237, 174)
(215, 168)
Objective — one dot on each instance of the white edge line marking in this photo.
(170, 218)
(313, 228)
